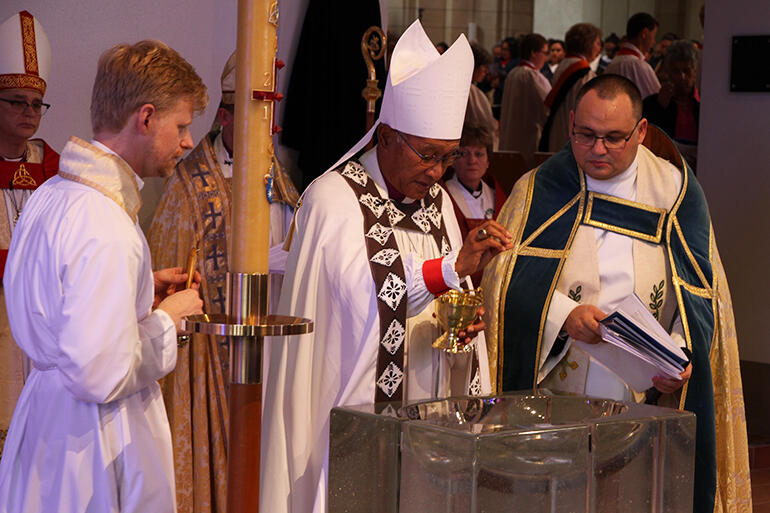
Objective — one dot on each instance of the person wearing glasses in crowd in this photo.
(25, 163)
(476, 195)
(601, 220)
(375, 241)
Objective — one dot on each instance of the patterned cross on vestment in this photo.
(202, 174)
(212, 214)
(219, 300)
(214, 256)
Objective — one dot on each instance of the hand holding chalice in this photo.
(455, 311)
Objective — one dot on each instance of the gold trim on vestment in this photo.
(541, 252)
(691, 257)
(625, 231)
(508, 273)
(125, 193)
(547, 305)
(20, 81)
(676, 280)
(692, 289)
(28, 43)
(550, 221)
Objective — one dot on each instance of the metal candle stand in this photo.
(245, 324)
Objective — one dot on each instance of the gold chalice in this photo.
(455, 311)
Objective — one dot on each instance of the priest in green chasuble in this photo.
(601, 220)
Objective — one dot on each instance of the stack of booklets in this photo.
(637, 348)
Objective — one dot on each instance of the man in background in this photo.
(524, 112)
(583, 42)
(25, 163)
(631, 60)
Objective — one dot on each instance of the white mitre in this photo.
(426, 93)
(25, 53)
(228, 81)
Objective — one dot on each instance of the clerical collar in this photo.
(223, 158)
(23, 157)
(369, 161)
(621, 186)
(630, 49)
(476, 193)
(393, 193)
(107, 149)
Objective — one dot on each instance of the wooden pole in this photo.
(253, 152)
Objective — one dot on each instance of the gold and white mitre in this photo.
(426, 93)
(25, 53)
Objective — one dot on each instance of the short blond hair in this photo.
(129, 76)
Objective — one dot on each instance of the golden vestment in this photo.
(194, 211)
(729, 453)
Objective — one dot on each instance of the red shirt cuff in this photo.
(3, 257)
(434, 276)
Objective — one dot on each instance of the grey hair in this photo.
(681, 51)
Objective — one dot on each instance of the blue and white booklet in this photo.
(637, 348)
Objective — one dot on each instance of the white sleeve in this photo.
(105, 353)
(417, 291)
(558, 311)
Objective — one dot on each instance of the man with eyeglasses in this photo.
(375, 241)
(25, 163)
(602, 220)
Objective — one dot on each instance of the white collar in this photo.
(223, 157)
(622, 185)
(107, 149)
(633, 48)
(97, 166)
(369, 161)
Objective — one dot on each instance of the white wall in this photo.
(202, 31)
(734, 168)
(80, 30)
(552, 18)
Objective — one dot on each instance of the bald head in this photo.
(609, 87)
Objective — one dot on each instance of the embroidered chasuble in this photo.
(195, 211)
(17, 181)
(355, 267)
(676, 271)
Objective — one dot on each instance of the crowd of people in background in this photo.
(521, 90)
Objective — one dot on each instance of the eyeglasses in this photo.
(19, 106)
(611, 142)
(431, 160)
